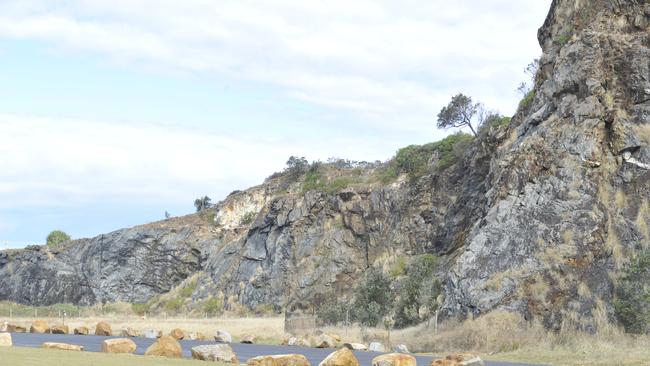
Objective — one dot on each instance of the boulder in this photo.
(4, 326)
(12, 328)
(177, 334)
(376, 347)
(401, 348)
(152, 333)
(249, 339)
(195, 336)
(165, 346)
(325, 341)
(294, 341)
(342, 357)
(459, 360)
(129, 332)
(394, 359)
(60, 329)
(215, 352)
(279, 360)
(5, 340)
(81, 330)
(335, 337)
(356, 346)
(118, 345)
(222, 337)
(39, 326)
(103, 329)
(62, 346)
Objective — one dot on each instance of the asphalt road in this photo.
(93, 343)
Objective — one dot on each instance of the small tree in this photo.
(202, 203)
(373, 299)
(296, 166)
(57, 237)
(460, 112)
(632, 303)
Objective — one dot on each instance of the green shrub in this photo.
(56, 238)
(418, 291)
(141, 309)
(314, 181)
(398, 268)
(213, 305)
(373, 298)
(188, 290)
(387, 173)
(452, 148)
(525, 103)
(174, 305)
(248, 218)
(632, 302)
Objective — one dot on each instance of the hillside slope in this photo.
(537, 217)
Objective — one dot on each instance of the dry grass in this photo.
(14, 356)
(266, 330)
(643, 132)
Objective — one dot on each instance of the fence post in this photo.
(11, 312)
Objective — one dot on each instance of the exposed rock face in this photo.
(538, 217)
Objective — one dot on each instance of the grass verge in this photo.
(12, 356)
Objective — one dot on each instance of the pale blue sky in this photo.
(112, 112)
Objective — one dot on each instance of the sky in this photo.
(115, 111)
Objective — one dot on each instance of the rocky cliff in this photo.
(537, 217)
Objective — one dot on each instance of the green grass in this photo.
(38, 357)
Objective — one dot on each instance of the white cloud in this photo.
(56, 162)
(386, 58)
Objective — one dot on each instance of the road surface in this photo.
(93, 343)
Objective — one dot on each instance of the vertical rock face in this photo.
(568, 196)
(538, 217)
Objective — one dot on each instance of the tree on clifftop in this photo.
(57, 237)
(202, 203)
(460, 112)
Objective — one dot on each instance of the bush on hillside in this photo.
(56, 238)
(632, 303)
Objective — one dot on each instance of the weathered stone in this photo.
(394, 359)
(62, 346)
(177, 333)
(342, 357)
(215, 352)
(459, 360)
(39, 326)
(81, 330)
(356, 346)
(376, 347)
(249, 339)
(129, 332)
(195, 336)
(279, 360)
(60, 329)
(152, 333)
(326, 341)
(118, 345)
(103, 329)
(401, 348)
(13, 328)
(5, 340)
(165, 346)
(221, 336)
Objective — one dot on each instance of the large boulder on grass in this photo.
(394, 359)
(376, 347)
(152, 333)
(215, 352)
(5, 340)
(459, 360)
(342, 357)
(62, 346)
(356, 346)
(103, 329)
(13, 328)
(165, 346)
(221, 336)
(60, 329)
(177, 334)
(81, 330)
(118, 345)
(249, 339)
(129, 332)
(326, 341)
(279, 360)
(39, 326)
